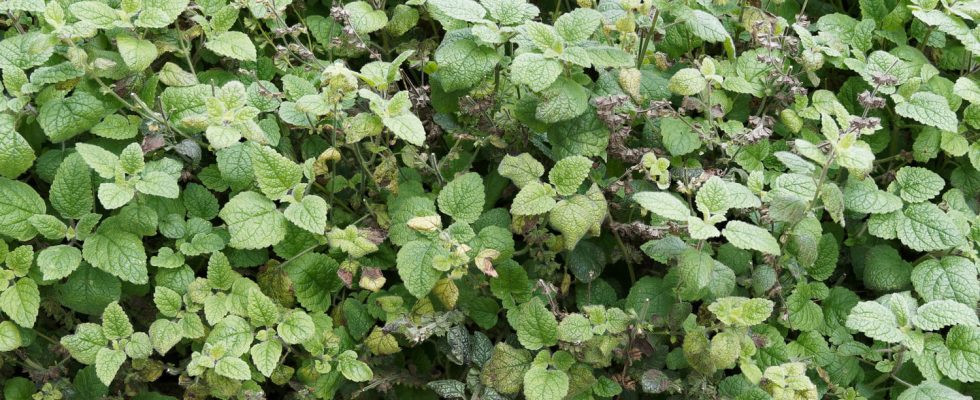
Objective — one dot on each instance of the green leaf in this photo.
(18, 203)
(576, 216)
(364, 18)
(967, 89)
(545, 384)
(158, 183)
(535, 198)
(448, 388)
(63, 119)
(265, 356)
(952, 278)
(536, 326)
(509, 12)
(701, 230)
(234, 333)
(678, 137)
(71, 191)
(463, 198)
(521, 169)
(16, 155)
(113, 195)
(26, 50)
(100, 160)
(931, 390)
(584, 135)
(578, 25)
(139, 346)
(876, 321)
(309, 214)
(262, 311)
(712, 197)
(575, 328)
(543, 36)
(296, 327)
(863, 196)
(563, 100)
(569, 173)
(164, 335)
(687, 82)
(115, 126)
(168, 301)
(115, 322)
(232, 44)
(939, 314)
(961, 358)
(9, 336)
(253, 221)
(58, 261)
(159, 13)
(314, 278)
(885, 270)
(505, 369)
(741, 311)
(25, 5)
(88, 290)
(350, 241)
(750, 237)
(107, 363)
(463, 10)
(138, 54)
(94, 12)
(119, 253)
(234, 368)
(609, 56)
(930, 109)
(705, 26)
(664, 205)
(534, 71)
(918, 184)
(21, 302)
(352, 368)
(406, 126)
(695, 269)
(85, 343)
(415, 266)
(463, 63)
(927, 228)
(275, 173)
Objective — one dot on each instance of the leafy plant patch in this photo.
(489, 199)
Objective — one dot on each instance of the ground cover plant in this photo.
(489, 199)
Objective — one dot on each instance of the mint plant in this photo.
(489, 199)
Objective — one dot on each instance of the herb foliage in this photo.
(489, 199)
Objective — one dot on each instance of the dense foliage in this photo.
(490, 199)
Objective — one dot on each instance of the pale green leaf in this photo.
(536, 326)
(137, 53)
(463, 197)
(545, 384)
(253, 221)
(520, 169)
(21, 302)
(107, 363)
(930, 109)
(664, 205)
(119, 253)
(939, 314)
(751, 237)
(309, 214)
(534, 198)
(232, 44)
